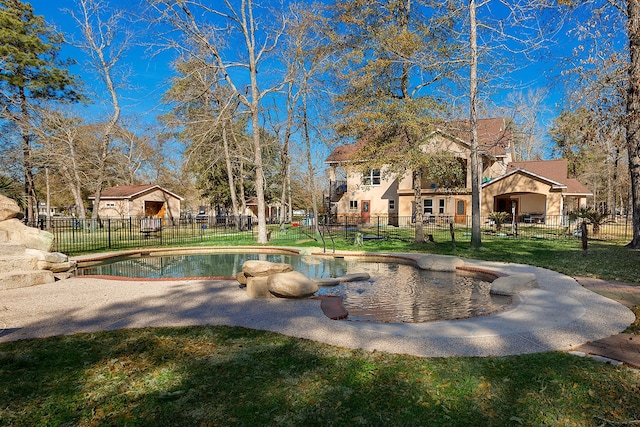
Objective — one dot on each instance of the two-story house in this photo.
(545, 191)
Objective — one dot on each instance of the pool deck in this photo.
(561, 315)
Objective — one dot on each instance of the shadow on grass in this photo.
(235, 376)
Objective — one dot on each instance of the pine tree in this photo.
(31, 72)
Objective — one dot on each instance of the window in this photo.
(110, 205)
(353, 205)
(428, 206)
(392, 205)
(371, 177)
(441, 206)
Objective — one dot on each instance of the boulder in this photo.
(258, 287)
(18, 262)
(439, 263)
(51, 257)
(256, 268)
(241, 278)
(28, 236)
(291, 284)
(25, 259)
(8, 249)
(8, 208)
(513, 284)
(56, 267)
(22, 279)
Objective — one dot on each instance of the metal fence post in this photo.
(109, 232)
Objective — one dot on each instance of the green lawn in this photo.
(222, 376)
(604, 259)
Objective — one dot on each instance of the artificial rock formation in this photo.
(439, 263)
(25, 259)
(291, 284)
(265, 279)
(514, 284)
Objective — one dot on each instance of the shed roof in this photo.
(132, 191)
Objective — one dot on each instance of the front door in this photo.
(365, 213)
(461, 211)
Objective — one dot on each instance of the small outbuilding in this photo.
(147, 200)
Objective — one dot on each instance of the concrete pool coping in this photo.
(559, 315)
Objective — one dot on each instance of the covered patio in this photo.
(531, 197)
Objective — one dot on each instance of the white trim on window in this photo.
(371, 177)
(427, 206)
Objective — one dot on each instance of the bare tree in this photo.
(526, 110)
(136, 152)
(508, 38)
(105, 40)
(65, 151)
(205, 30)
(600, 26)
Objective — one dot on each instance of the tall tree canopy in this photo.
(390, 55)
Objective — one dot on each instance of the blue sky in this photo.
(150, 74)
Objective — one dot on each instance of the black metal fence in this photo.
(74, 236)
(440, 227)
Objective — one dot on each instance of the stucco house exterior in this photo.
(147, 200)
(546, 189)
(534, 190)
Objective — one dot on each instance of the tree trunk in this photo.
(476, 239)
(75, 181)
(259, 178)
(31, 207)
(230, 179)
(417, 201)
(286, 157)
(310, 168)
(633, 116)
(616, 190)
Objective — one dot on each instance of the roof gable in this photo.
(493, 138)
(553, 172)
(552, 183)
(132, 191)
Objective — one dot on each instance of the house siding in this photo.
(539, 188)
(533, 196)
